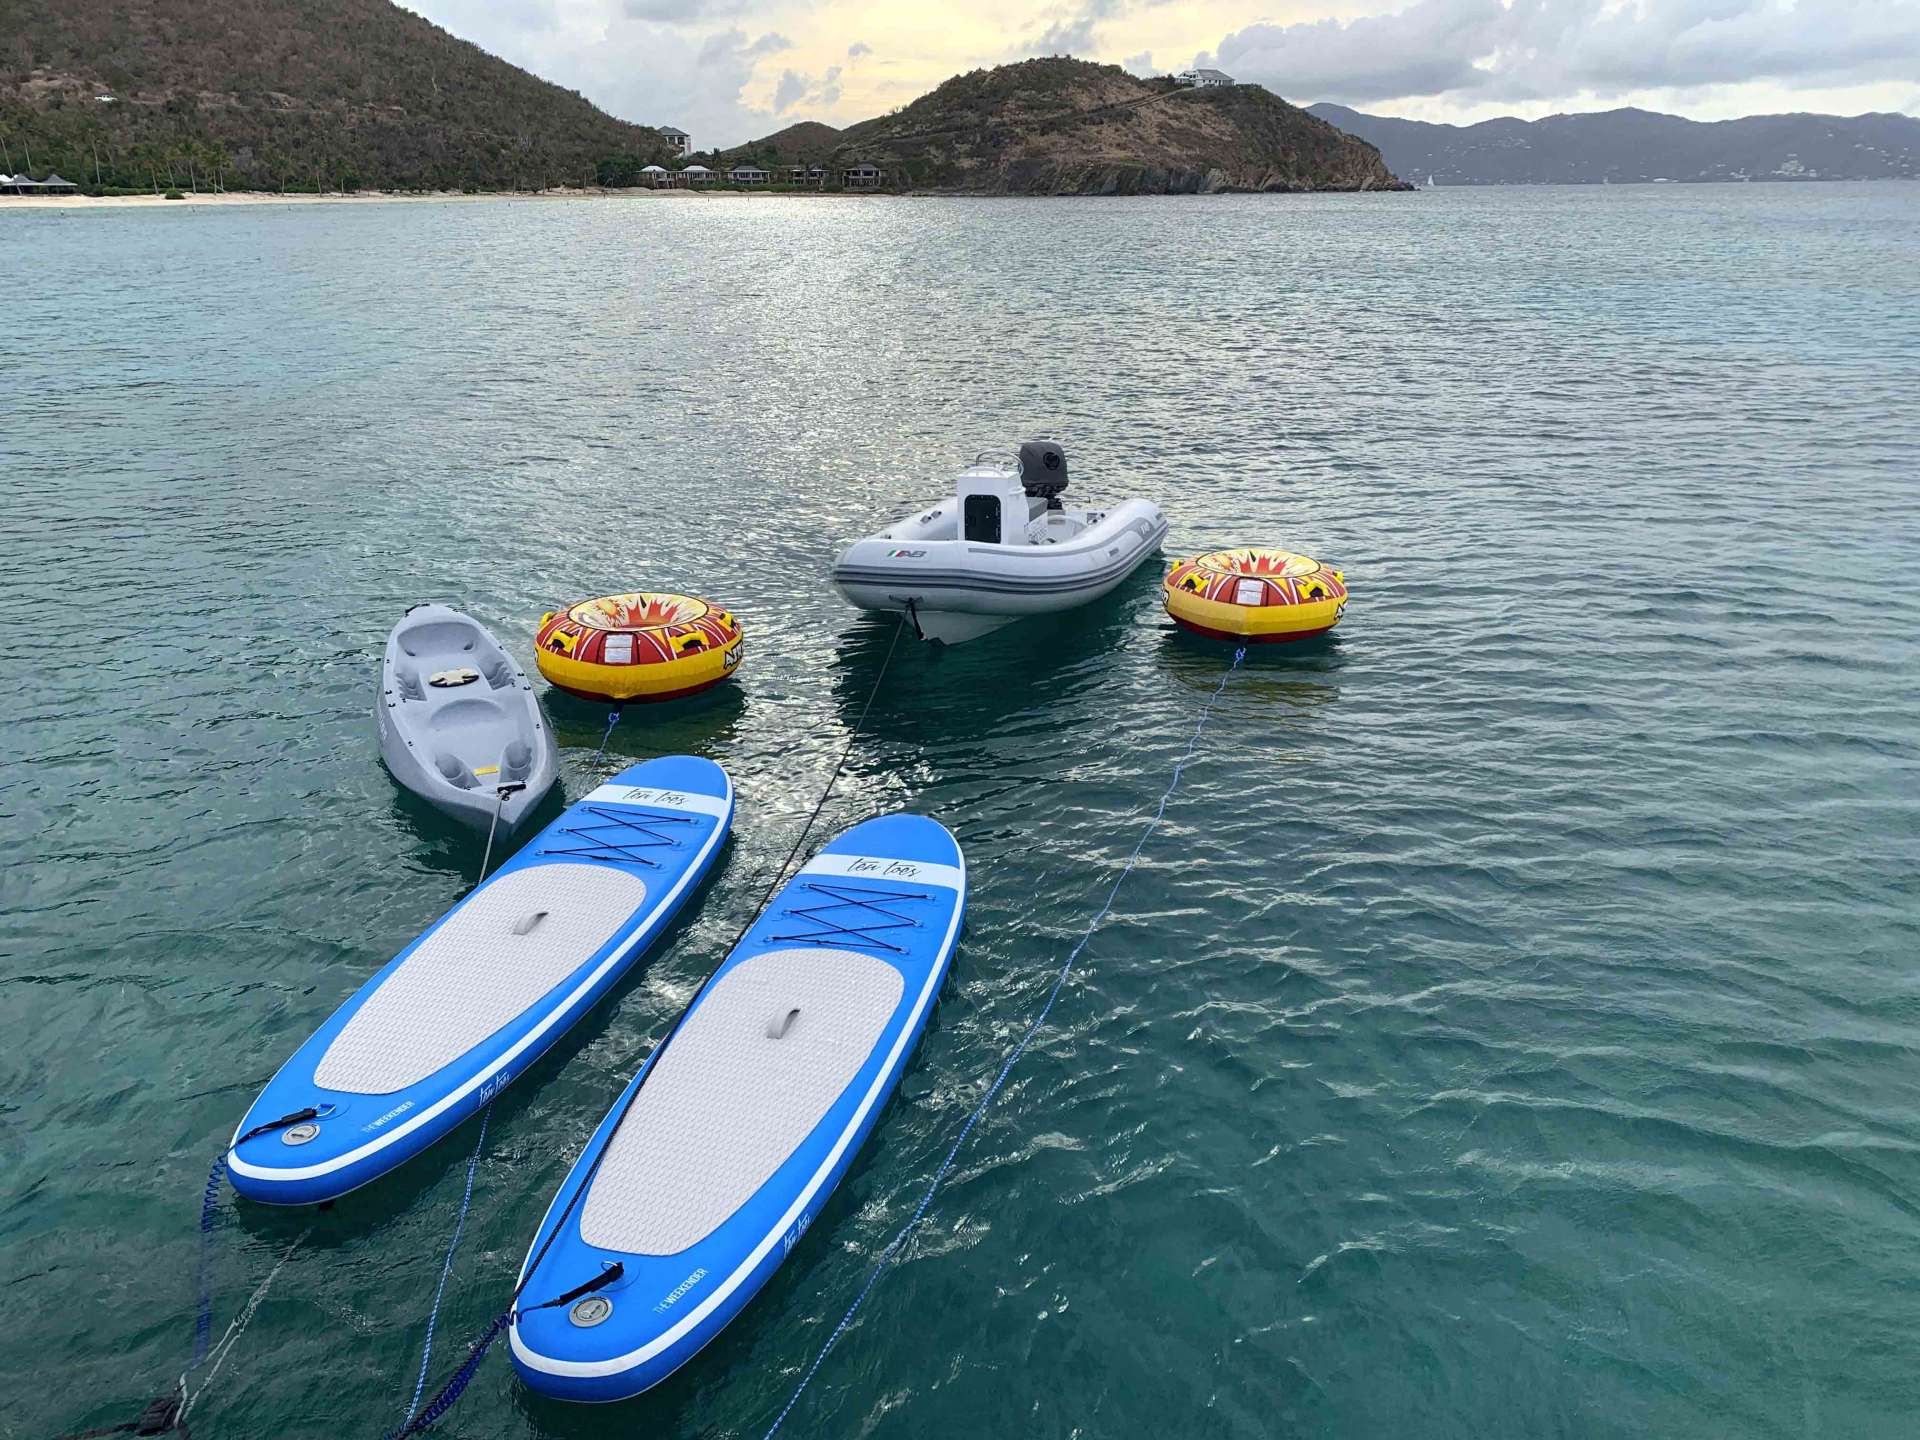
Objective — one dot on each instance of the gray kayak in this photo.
(460, 725)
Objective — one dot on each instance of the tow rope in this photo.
(1033, 1028)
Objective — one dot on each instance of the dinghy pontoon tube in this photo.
(1002, 547)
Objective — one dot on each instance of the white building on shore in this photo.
(679, 140)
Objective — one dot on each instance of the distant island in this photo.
(1635, 146)
(1070, 127)
(295, 95)
(326, 96)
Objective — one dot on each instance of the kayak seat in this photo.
(469, 712)
(439, 637)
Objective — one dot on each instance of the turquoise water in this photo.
(1514, 1029)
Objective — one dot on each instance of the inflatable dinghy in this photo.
(1000, 548)
(742, 1121)
(455, 1016)
(460, 725)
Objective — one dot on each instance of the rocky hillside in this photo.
(300, 94)
(1624, 146)
(1068, 127)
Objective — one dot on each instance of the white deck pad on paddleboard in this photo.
(730, 1102)
(509, 943)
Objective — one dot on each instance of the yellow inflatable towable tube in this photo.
(1256, 595)
(645, 645)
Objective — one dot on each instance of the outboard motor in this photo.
(1043, 471)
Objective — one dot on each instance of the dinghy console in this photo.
(1002, 547)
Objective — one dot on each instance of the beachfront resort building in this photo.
(806, 174)
(678, 140)
(1204, 79)
(863, 176)
(748, 175)
(696, 175)
(25, 184)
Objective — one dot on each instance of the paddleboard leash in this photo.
(443, 1400)
(613, 719)
(1013, 1058)
(446, 1269)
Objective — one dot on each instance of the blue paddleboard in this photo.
(740, 1124)
(480, 996)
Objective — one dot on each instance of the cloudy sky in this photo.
(731, 70)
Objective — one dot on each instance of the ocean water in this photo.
(1513, 1030)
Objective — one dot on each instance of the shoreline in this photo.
(336, 197)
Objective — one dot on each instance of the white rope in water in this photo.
(218, 1355)
(920, 1210)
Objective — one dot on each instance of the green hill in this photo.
(1064, 126)
(295, 94)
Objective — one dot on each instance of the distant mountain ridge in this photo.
(265, 94)
(1061, 126)
(1628, 145)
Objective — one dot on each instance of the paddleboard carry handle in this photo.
(782, 1020)
(312, 1112)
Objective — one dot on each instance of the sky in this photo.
(728, 71)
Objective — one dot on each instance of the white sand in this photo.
(372, 197)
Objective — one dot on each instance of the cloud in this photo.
(1073, 32)
(683, 12)
(1141, 64)
(857, 49)
(1542, 49)
(794, 88)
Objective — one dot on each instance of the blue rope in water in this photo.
(920, 1210)
(613, 719)
(446, 1269)
(457, 1385)
(203, 1300)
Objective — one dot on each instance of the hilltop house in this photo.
(1204, 79)
(862, 176)
(678, 141)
